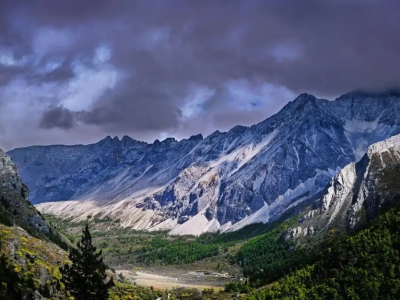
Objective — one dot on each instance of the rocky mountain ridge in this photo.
(356, 194)
(222, 182)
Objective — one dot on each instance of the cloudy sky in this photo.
(75, 71)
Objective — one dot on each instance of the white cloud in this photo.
(23, 100)
(7, 59)
(195, 100)
(102, 55)
(244, 96)
(88, 85)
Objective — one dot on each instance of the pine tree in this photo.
(85, 278)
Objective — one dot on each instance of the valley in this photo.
(253, 260)
(162, 279)
(128, 252)
(199, 150)
(313, 242)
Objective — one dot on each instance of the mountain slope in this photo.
(15, 207)
(29, 266)
(364, 265)
(356, 194)
(224, 181)
(28, 259)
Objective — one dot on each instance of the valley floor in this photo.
(170, 281)
(123, 250)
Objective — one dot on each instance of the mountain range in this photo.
(218, 183)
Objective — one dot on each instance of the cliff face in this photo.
(14, 198)
(28, 260)
(356, 194)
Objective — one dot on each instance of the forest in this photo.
(365, 265)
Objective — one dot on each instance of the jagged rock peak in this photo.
(107, 139)
(169, 140)
(197, 137)
(304, 97)
(126, 141)
(127, 138)
(301, 101)
(214, 134)
(238, 129)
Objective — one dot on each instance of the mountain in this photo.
(28, 258)
(221, 182)
(14, 202)
(356, 194)
(16, 208)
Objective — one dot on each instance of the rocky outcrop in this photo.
(14, 197)
(356, 194)
(27, 256)
(17, 210)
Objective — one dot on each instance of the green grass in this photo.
(132, 247)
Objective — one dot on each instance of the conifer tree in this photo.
(85, 278)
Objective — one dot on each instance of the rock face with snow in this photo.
(356, 194)
(221, 182)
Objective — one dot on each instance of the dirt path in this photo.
(165, 282)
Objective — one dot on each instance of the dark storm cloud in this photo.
(164, 50)
(57, 117)
(131, 109)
